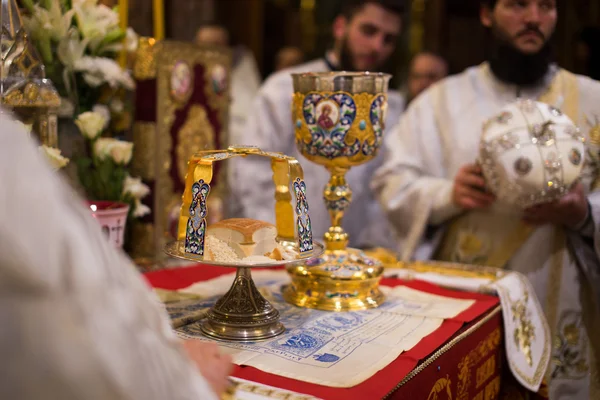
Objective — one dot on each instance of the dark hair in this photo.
(590, 36)
(351, 7)
(489, 3)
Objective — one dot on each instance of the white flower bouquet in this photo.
(79, 42)
(103, 172)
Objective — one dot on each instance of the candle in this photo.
(158, 12)
(123, 24)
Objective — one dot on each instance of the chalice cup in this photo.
(339, 122)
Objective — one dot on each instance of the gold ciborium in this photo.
(339, 121)
(243, 314)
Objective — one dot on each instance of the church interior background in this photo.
(264, 26)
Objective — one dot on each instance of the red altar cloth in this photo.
(388, 379)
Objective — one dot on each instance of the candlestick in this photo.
(158, 13)
(123, 24)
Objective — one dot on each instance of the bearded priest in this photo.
(434, 192)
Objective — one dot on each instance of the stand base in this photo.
(340, 280)
(242, 314)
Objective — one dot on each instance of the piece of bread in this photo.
(275, 254)
(218, 250)
(246, 236)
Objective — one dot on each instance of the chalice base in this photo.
(339, 280)
(242, 314)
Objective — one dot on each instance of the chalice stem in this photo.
(337, 195)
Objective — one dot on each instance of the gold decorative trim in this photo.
(196, 134)
(444, 349)
(452, 269)
(143, 245)
(144, 147)
(145, 59)
(164, 58)
(545, 352)
(31, 95)
(219, 101)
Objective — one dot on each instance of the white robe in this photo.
(245, 82)
(269, 126)
(77, 321)
(438, 134)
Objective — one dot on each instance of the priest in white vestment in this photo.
(430, 182)
(365, 38)
(76, 319)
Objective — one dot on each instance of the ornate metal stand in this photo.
(242, 314)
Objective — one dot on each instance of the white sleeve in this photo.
(268, 126)
(77, 321)
(411, 185)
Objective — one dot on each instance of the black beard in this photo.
(514, 67)
(345, 61)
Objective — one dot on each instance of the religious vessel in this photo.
(243, 314)
(339, 122)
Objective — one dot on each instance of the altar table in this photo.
(462, 359)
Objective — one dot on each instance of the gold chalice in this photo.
(243, 314)
(339, 121)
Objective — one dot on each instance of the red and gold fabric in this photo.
(463, 359)
(181, 107)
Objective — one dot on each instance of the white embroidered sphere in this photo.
(530, 153)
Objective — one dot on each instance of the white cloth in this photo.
(325, 347)
(439, 133)
(76, 319)
(270, 127)
(245, 82)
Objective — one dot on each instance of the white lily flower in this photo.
(135, 187)
(49, 22)
(140, 209)
(95, 21)
(104, 111)
(71, 49)
(99, 70)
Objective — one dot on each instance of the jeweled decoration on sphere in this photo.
(339, 122)
(530, 153)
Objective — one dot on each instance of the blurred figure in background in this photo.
(287, 57)
(426, 68)
(245, 76)
(365, 35)
(213, 34)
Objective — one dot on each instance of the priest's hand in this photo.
(571, 210)
(469, 188)
(214, 366)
